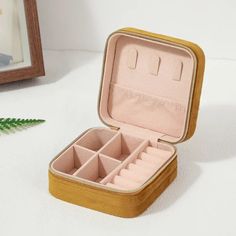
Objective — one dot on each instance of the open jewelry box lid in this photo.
(151, 85)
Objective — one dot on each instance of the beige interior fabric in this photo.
(146, 84)
(113, 159)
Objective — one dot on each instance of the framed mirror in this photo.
(20, 45)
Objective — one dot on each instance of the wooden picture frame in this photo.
(35, 66)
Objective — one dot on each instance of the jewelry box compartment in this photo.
(113, 159)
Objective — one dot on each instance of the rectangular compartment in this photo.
(72, 159)
(95, 139)
(121, 146)
(97, 168)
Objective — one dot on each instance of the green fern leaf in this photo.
(12, 124)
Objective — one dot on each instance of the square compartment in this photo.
(97, 168)
(72, 159)
(122, 146)
(95, 139)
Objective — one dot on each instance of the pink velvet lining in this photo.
(113, 158)
(147, 84)
(146, 92)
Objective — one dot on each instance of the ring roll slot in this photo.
(164, 154)
(95, 139)
(121, 146)
(153, 160)
(129, 174)
(145, 164)
(124, 182)
(97, 168)
(140, 169)
(72, 159)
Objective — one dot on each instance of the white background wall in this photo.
(85, 24)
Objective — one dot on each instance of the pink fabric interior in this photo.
(95, 139)
(71, 160)
(121, 161)
(97, 168)
(147, 84)
(121, 147)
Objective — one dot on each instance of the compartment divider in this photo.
(128, 160)
(109, 158)
(108, 143)
(122, 146)
(83, 148)
(86, 163)
(96, 153)
(72, 159)
(95, 139)
(97, 168)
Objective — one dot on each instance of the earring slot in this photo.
(154, 65)
(177, 70)
(132, 58)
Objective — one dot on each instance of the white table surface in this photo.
(201, 201)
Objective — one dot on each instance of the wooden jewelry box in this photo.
(149, 99)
